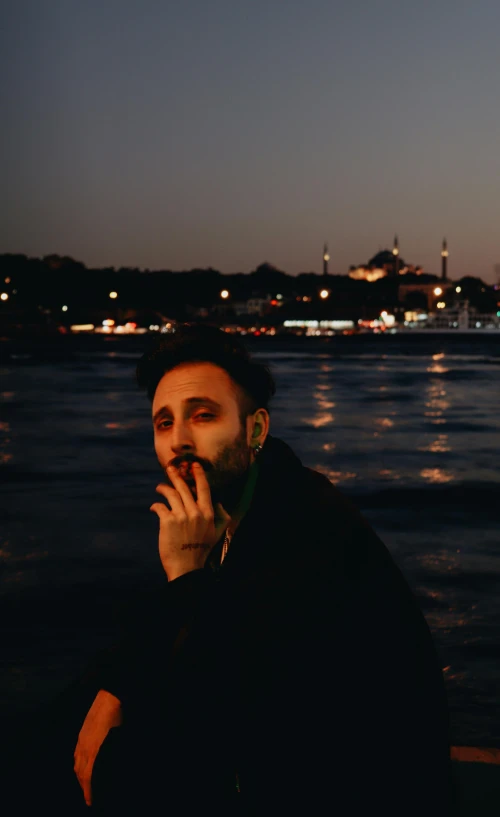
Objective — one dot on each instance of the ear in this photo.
(258, 427)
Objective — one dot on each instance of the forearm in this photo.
(110, 706)
(152, 634)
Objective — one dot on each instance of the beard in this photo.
(226, 474)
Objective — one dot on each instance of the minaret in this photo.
(326, 259)
(395, 252)
(444, 260)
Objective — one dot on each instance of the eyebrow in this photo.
(190, 402)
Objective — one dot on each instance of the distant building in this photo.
(395, 253)
(326, 259)
(254, 306)
(433, 293)
(384, 263)
(444, 261)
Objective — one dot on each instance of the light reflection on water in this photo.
(384, 422)
(117, 426)
(335, 477)
(319, 420)
(439, 446)
(436, 476)
(324, 404)
(436, 368)
(389, 474)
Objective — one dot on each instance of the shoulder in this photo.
(342, 536)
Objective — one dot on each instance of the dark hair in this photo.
(199, 343)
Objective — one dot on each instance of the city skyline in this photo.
(395, 251)
(212, 135)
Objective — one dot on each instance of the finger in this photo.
(77, 768)
(173, 497)
(160, 510)
(181, 486)
(203, 490)
(86, 783)
(87, 792)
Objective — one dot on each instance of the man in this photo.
(285, 666)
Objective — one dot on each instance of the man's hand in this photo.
(104, 713)
(190, 529)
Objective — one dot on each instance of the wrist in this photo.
(190, 556)
(181, 570)
(108, 699)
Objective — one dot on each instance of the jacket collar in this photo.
(270, 518)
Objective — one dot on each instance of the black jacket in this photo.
(301, 672)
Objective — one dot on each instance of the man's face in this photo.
(196, 419)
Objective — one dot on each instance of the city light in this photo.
(413, 317)
(108, 322)
(125, 330)
(113, 294)
(224, 293)
(438, 291)
(388, 320)
(82, 327)
(312, 324)
(4, 296)
(441, 305)
(64, 308)
(324, 293)
(458, 289)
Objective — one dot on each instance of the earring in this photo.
(257, 449)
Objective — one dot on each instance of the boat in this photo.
(461, 318)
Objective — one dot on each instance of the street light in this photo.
(64, 308)
(4, 296)
(458, 289)
(438, 291)
(224, 294)
(113, 294)
(324, 294)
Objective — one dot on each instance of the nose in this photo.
(181, 440)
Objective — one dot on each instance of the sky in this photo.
(198, 133)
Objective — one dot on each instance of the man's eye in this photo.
(203, 415)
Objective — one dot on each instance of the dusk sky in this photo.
(196, 133)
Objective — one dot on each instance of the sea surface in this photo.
(407, 426)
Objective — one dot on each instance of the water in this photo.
(409, 428)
